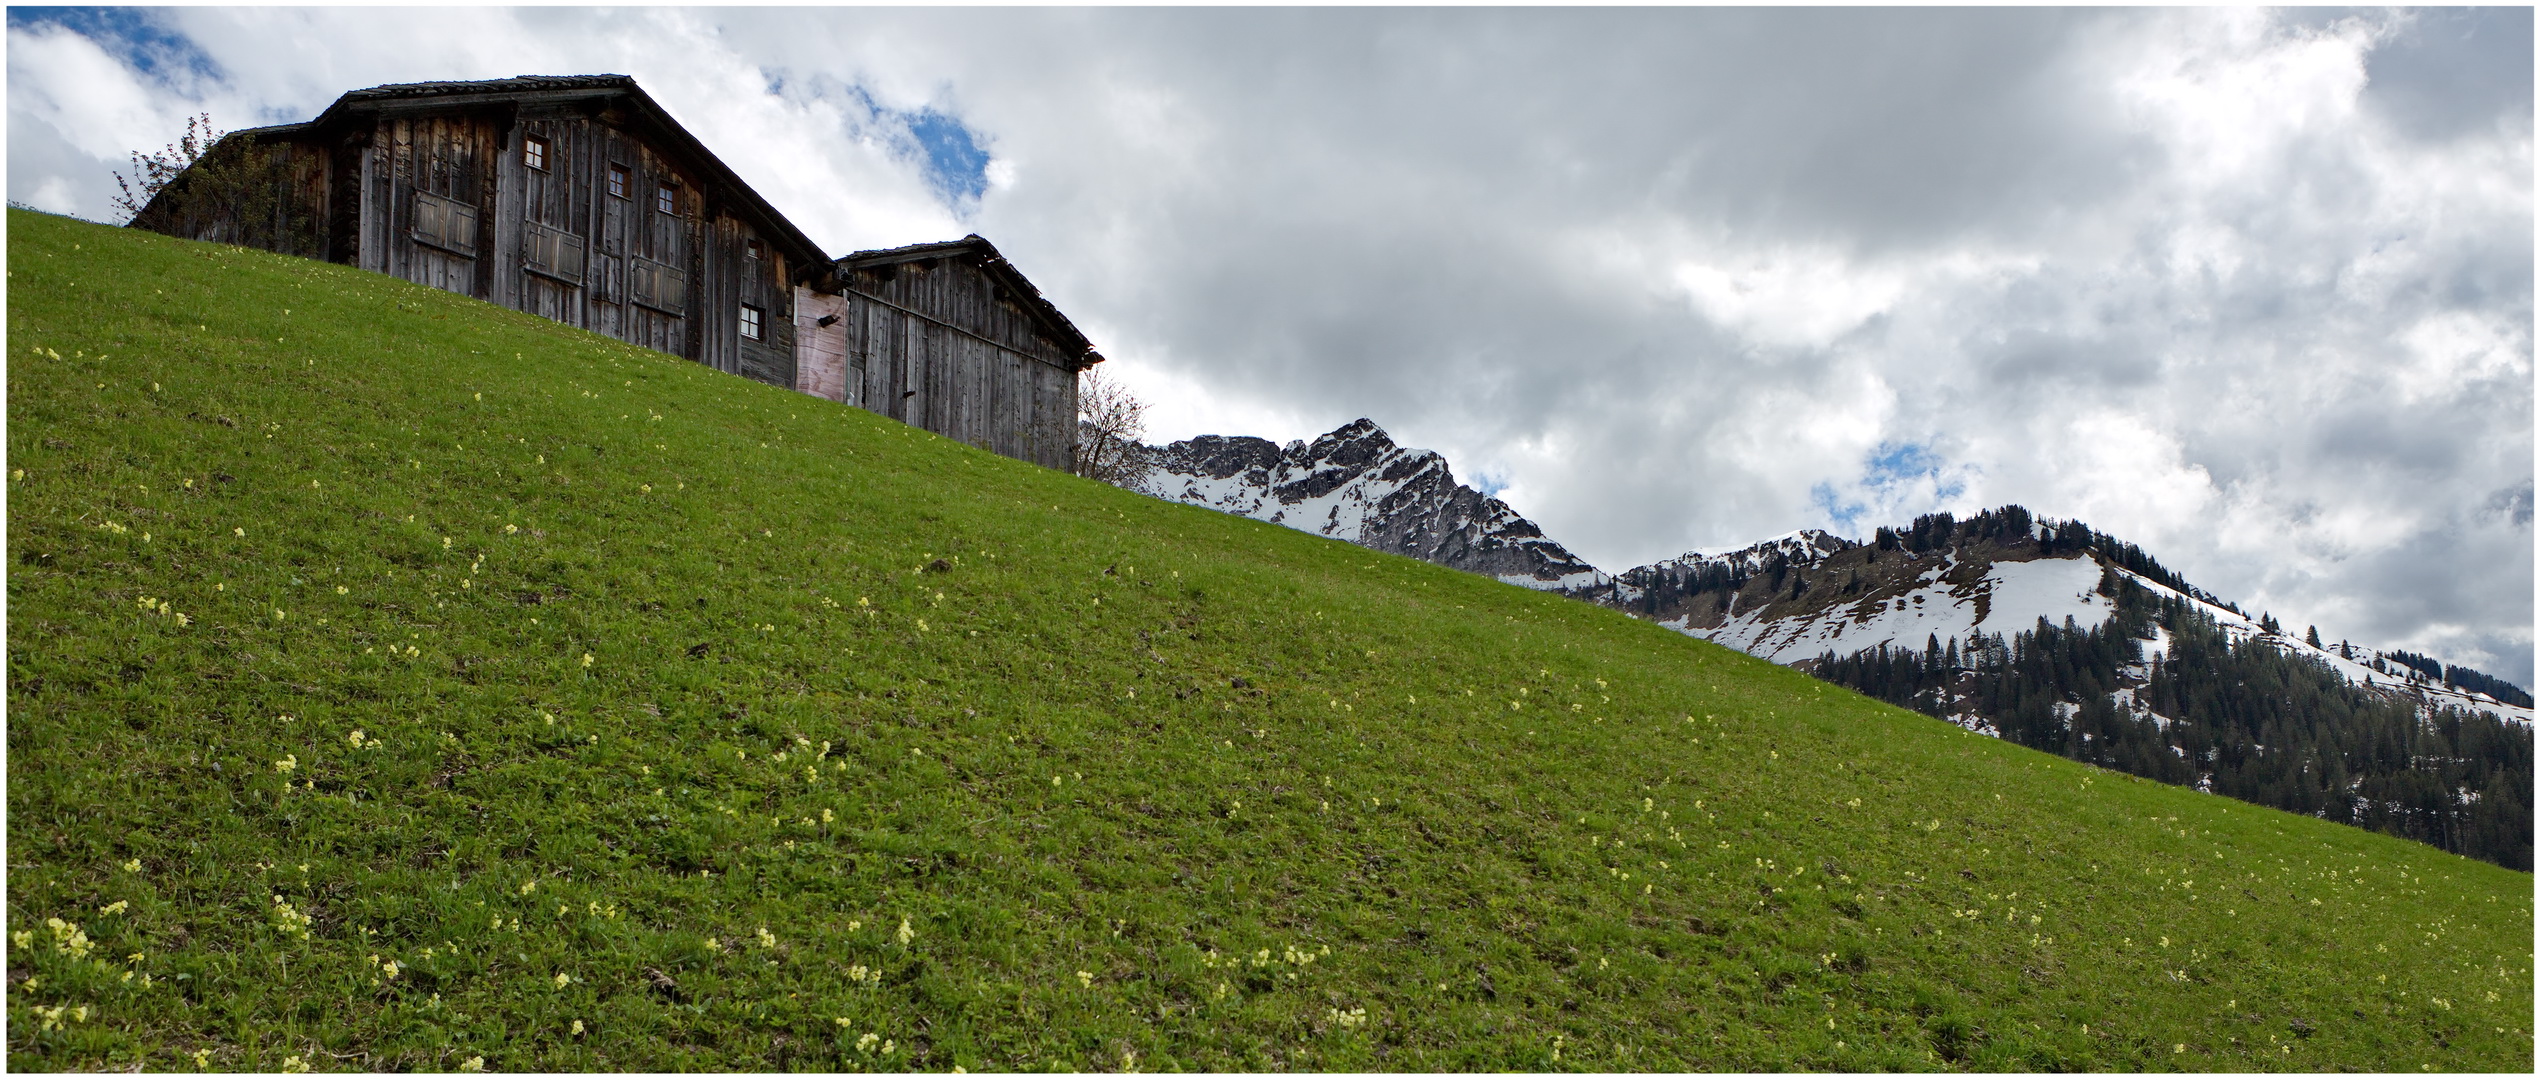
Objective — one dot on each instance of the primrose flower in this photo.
(116, 908)
(864, 1043)
(1087, 978)
(766, 940)
(287, 763)
(577, 1028)
(904, 934)
(562, 980)
(474, 1064)
(133, 865)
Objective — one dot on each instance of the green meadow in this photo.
(397, 682)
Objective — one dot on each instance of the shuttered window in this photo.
(656, 286)
(551, 251)
(445, 223)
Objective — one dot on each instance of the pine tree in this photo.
(2312, 637)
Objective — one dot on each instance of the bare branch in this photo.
(1109, 422)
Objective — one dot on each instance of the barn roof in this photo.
(558, 89)
(977, 248)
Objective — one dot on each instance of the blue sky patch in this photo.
(1892, 465)
(1898, 481)
(946, 151)
(1845, 514)
(136, 36)
(955, 165)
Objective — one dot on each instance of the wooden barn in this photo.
(949, 337)
(572, 197)
(579, 199)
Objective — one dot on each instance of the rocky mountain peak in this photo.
(1355, 483)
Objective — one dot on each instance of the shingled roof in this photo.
(977, 247)
(395, 97)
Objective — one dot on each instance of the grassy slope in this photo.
(655, 729)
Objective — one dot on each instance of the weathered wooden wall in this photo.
(360, 198)
(933, 344)
(439, 191)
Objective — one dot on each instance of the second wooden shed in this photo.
(949, 337)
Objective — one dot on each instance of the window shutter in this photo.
(445, 223)
(432, 221)
(674, 290)
(463, 227)
(655, 285)
(569, 258)
(553, 252)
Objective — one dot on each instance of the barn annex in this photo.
(578, 198)
(948, 337)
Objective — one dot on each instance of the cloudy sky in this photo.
(2253, 289)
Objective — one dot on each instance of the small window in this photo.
(533, 153)
(617, 181)
(753, 323)
(666, 198)
(754, 248)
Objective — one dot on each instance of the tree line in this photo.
(2237, 718)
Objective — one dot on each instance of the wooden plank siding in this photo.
(625, 225)
(550, 239)
(932, 343)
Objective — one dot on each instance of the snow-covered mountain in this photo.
(1791, 599)
(1355, 484)
(1799, 597)
(2045, 633)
